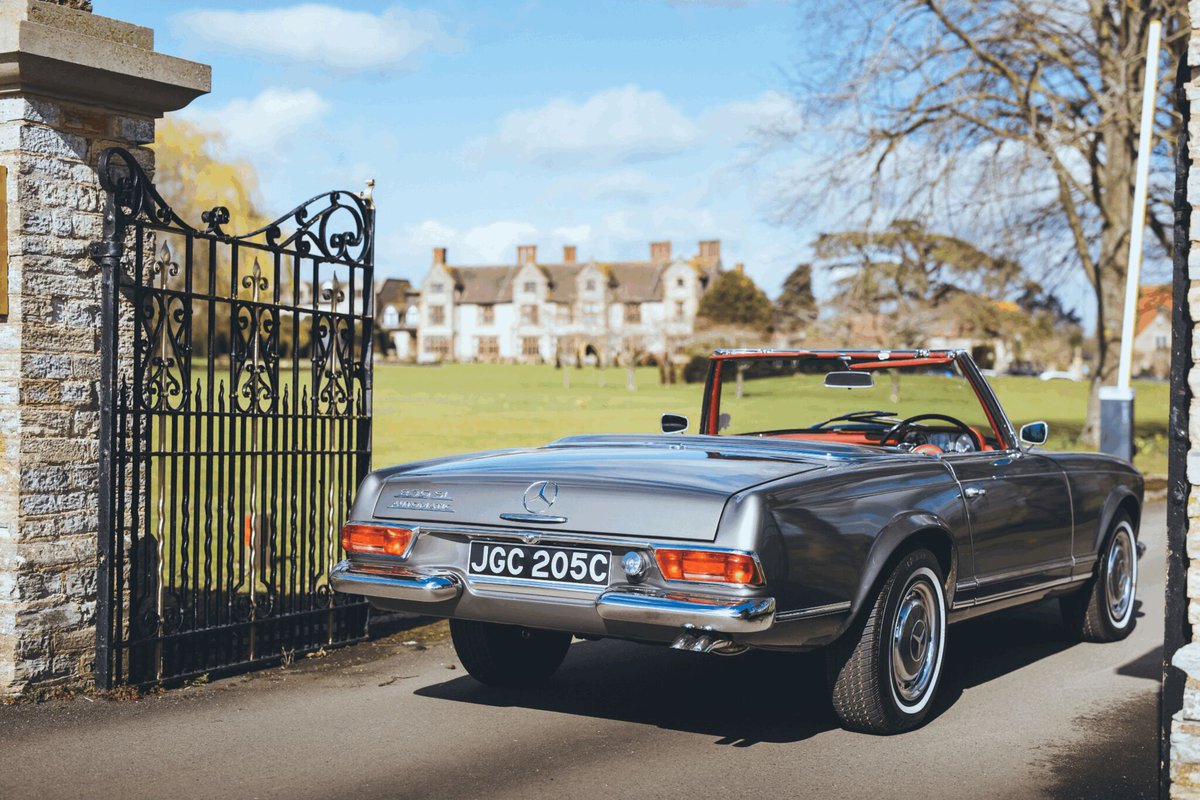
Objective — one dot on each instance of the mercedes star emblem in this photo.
(540, 496)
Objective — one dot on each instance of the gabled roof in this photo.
(393, 291)
(628, 281)
(1152, 299)
(636, 281)
(484, 285)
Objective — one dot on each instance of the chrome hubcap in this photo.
(1120, 575)
(916, 640)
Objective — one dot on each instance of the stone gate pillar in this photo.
(71, 84)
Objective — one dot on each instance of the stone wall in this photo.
(1184, 766)
(74, 83)
(49, 354)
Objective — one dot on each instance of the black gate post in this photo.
(1177, 632)
(107, 255)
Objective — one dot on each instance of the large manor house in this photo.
(566, 312)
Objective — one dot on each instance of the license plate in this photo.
(540, 563)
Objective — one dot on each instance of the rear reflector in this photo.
(708, 566)
(375, 539)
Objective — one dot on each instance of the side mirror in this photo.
(674, 423)
(849, 379)
(1035, 433)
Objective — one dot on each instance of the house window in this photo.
(633, 313)
(529, 315)
(1162, 342)
(487, 315)
(529, 346)
(412, 316)
(591, 313)
(680, 282)
(591, 285)
(391, 317)
(680, 309)
(566, 314)
(437, 345)
(437, 288)
(529, 287)
(437, 315)
(489, 347)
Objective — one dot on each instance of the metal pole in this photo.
(1116, 403)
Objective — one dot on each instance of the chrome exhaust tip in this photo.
(684, 642)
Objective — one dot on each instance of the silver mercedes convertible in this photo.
(856, 501)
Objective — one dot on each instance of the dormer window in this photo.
(591, 285)
(437, 288)
(530, 287)
(680, 282)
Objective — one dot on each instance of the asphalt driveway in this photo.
(1023, 713)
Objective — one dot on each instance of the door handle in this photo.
(972, 492)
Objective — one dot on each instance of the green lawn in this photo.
(422, 412)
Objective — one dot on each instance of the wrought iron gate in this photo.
(235, 406)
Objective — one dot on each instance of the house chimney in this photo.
(739, 267)
(439, 256)
(660, 251)
(710, 250)
(568, 254)
(527, 254)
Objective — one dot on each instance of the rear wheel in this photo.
(885, 671)
(1102, 611)
(508, 655)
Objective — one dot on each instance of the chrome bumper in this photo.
(651, 607)
(403, 584)
(639, 605)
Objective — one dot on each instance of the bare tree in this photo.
(1018, 119)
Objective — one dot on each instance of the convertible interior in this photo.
(917, 404)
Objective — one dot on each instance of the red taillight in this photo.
(375, 539)
(708, 566)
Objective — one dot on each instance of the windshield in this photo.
(798, 397)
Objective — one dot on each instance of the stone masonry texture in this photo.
(49, 368)
(1185, 729)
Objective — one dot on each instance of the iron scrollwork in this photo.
(236, 422)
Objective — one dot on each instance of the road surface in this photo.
(1023, 713)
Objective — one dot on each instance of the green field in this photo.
(421, 412)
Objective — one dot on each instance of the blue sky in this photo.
(604, 124)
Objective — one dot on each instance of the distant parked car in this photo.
(843, 511)
(1023, 368)
(1058, 375)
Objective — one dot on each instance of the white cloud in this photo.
(492, 243)
(628, 185)
(745, 120)
(258, 128)
(613, 126)
(335, 38)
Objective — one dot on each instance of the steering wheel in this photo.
(896, 431)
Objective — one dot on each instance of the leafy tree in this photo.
(734, 299)
(904, 279)
(796, 307)
(1019, 118)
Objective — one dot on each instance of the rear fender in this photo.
(902, 532)
(1116, 499)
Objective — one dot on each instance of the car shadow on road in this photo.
(759, 696)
